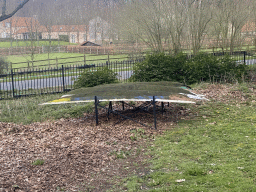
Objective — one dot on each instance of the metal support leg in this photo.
(123, 105)
(154, 110)
(168, 104)
(96, 110)
(162, 104)
(109, 108)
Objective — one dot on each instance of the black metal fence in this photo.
(19, 83)
(247, 57)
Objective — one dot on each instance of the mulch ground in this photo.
(79, 156)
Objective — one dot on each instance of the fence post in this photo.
(108, 58)
(84, 60)
(28, 64)
(56, 62)
(63, 78)
(12, 84)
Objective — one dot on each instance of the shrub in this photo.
(201, 67)
(160, 67)
(64, 38)
(93, 78)
(3, 65)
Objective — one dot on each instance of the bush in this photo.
(160, 67)
(64, 38)
(93, 78)
(3, 65)
(201, 67)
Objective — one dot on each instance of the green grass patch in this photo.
(58, 59)
(26, 110)
(214, 151)
(38, 162)
(8, 44)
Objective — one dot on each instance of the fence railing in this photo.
(60, 78)
(96, 50)
(56, 62)
(27, 82)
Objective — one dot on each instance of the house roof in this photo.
(88, 43)
(248, 27)
(29, 30)
(68, 28)
(21, 22)
(28, 24)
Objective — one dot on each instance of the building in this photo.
(20, 28)
(25, 28)
(71, 33)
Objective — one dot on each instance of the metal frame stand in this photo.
(96, 110)
(110, 110)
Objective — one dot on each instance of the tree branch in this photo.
(4, 16)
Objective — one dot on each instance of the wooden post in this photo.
(84, 60)
(56, 62)
(108, 59)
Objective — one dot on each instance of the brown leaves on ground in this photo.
(76, 154)
(227, 92)
(79, 156)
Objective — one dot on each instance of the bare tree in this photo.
(175, 18)
(144, 21)
(199, 14)
(229, 18)
(33, 34)
(5, 16)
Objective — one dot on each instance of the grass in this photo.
(21, 61)
(7, 44)
(26, 110)
(213, 152)
(38, 162)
